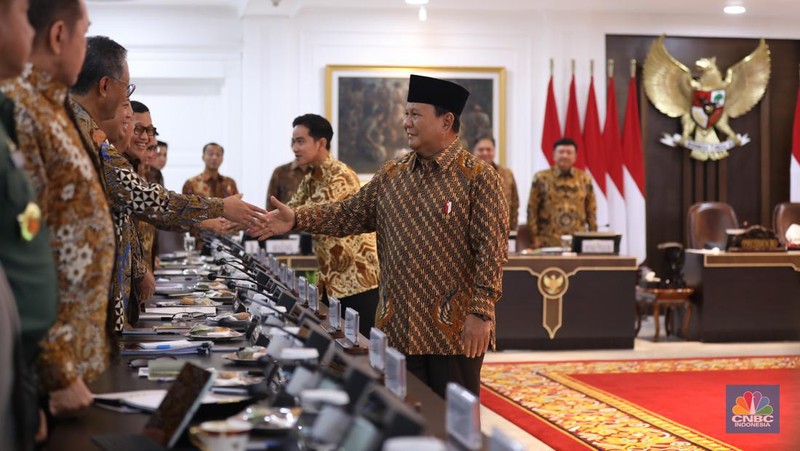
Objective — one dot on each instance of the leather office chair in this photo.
(784, 215)
(523, 237)
(706, 223)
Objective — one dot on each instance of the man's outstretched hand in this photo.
(275, 222)
(239, 211)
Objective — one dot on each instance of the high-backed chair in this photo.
(784, 215)
(706, 223)
(524, 238)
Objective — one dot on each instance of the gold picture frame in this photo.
(365, 105)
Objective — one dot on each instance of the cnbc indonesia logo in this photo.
(753, 409)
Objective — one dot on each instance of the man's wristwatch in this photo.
(482, 316)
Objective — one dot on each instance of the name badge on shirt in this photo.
(30, 221)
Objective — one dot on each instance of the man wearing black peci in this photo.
(442, 225)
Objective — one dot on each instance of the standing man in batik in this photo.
(442, 226)
(562, 199)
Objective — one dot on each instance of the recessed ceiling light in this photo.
(734, 9)
(416, 2)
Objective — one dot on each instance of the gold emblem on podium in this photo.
(553, 283)
(705, 104)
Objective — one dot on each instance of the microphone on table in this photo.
(232, 263)
(214, 276)
(282, 298)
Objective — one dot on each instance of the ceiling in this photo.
(755, 8)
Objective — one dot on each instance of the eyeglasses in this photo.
(139, 129)
(129, 88)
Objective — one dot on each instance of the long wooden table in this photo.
(560, 302)
(76, 433)
(744, 296)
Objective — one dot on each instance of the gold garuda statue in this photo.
(705, 104)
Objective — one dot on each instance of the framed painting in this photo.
(365, 105)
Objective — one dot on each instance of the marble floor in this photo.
(644, 348)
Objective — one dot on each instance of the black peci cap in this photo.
(436, 92)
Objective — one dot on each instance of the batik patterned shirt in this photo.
(284, 182)
(512, 196)
(347, 265)
(442, 235)
(132, 196)
(210, 185)
(82, 236)
(561, 203)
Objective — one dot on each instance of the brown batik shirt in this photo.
(561, 203)
(442, 234)
(510, 191)
(347, 265)
(75, 208)
(284, 182)
(210, 185)
(132, 196)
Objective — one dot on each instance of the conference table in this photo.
(76, 433)
(744, 296)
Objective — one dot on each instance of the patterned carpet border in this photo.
(604, 420)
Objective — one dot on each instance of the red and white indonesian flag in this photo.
(595, 155)
(612, 143)
(572, 126)
(633, 175)
(794, 165)
(551, 129)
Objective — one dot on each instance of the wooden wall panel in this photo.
(753, 179)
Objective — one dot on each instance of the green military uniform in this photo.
(27, 259)
(29, 265)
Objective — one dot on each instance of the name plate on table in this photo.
(302, 289)
(395, 372)
(596, 242)
(312, 296)
(289, 245)
(334, 314)
(502, 442)
(351, 320)
(291, 280)
(282, 272)
(463, 417)
(377, 349)
(597, 247)
(251, 247)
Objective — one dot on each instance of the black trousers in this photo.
(437, 370)
(366, 304)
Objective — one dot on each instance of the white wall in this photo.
(209, 74)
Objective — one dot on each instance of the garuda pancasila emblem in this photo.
(705, 104)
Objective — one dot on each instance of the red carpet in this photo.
(640, 404)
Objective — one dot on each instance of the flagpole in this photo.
(633, 68)
(591, 68)
(573, 67)
(610, 68)
(552, 65)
